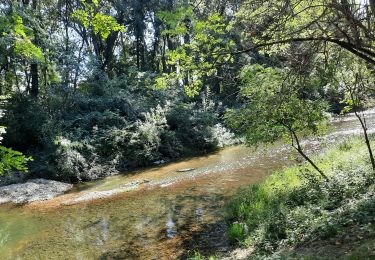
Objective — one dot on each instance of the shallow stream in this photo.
(167, 215)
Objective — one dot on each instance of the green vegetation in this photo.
(293, 208)
(275, 109)
(92, 19)
(94, 88)
(79, 82)
(12, 161)
(207, 46)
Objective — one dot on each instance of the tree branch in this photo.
(358, 51)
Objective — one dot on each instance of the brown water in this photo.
(167, 217)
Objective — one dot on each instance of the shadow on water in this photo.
(212, 239)
(187, 226)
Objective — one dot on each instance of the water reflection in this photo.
(199, 214)
(171, 228)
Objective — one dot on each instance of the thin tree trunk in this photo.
(77, 68)
(170, 46)
(16, 77)
(34, 91)
(66, 25)
(187, 23)
(300, 151)
(163, 58)
(156, 45)
(34, 66)
(143, 53)
(367, 140)
(27, 77)
(138, 53)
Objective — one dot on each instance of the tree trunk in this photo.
(367, 140)
(34, 91)
(77, 67)
(300, 151)
(109, 46)
(187, 39)
(170, 45)
(137, 46)
(156, 45)
(67, 40)
(163, 58)
(34, 66)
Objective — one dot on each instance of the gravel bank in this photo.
(33, 190)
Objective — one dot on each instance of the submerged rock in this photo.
(33, 190)
(186, 170)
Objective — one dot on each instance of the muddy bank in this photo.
(33, 190)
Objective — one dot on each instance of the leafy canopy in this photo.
(198, 58)
(100, 23)
(356, 79)
(275, 24)
(274, 106)
(16, 39)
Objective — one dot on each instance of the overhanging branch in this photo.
(361, 52)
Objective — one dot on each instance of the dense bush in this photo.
(295, 206)
(100, 130)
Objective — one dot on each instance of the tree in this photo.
(200, 55)
(274, 108)
(17, 47)
(100, 28)
(358, 82)
(348, 24)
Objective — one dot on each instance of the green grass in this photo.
(294, 206)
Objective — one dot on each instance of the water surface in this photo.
(166, 217)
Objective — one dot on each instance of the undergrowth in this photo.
(295, 206)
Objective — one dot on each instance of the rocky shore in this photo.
(33, 190)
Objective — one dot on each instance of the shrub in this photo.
(237, 232)
(223, 136)
(11, 161)
(197, 129)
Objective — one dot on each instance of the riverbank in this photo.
(296, 214)
(33, 190)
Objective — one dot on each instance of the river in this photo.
(169, 215)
